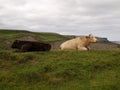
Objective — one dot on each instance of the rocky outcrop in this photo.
(103, 46)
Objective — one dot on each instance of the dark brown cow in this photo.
(25, 46)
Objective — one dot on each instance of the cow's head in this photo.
(91, 38)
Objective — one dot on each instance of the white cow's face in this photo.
(91, 38)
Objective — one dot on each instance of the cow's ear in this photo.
(87, 37)
(90, 35)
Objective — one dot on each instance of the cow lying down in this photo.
(79, 43)
(25, 46)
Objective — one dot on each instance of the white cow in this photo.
(79, 43)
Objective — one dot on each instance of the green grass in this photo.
(56, 70)
(44, 36)
(60, 70)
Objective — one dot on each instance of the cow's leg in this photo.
(82, 48)
(88, 48)
(25, 47)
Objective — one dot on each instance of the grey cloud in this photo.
(100, 17)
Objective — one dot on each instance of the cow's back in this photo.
(39, 46)
(70, 44)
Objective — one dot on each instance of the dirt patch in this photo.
(27, 38)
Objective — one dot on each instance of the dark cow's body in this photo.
(24, 46)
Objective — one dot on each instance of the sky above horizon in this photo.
(69, 17)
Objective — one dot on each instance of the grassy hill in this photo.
(18, 34)
(8, 36)
(56, 70)
(60, 70)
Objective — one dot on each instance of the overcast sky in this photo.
(76, 17)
